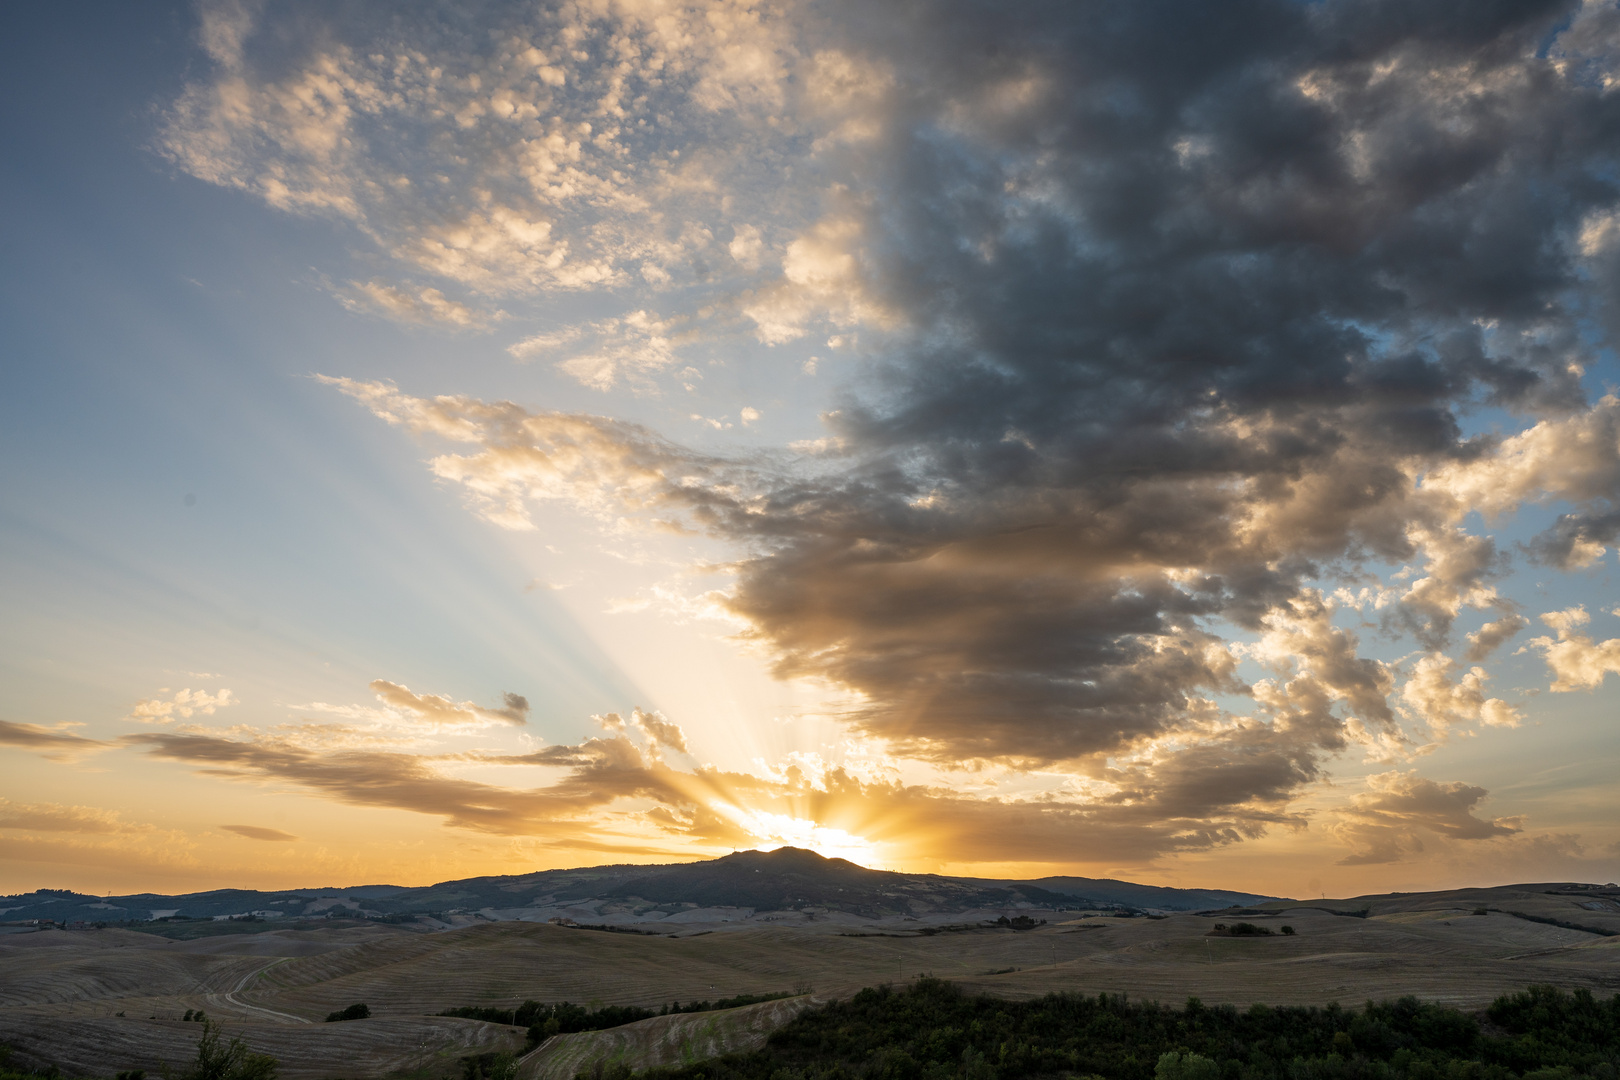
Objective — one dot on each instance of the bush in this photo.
(357, 1011)
(1289, 930)
(232, 1061)
(488, 1066)
(1242, 929)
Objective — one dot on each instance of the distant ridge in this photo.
(784, 879)
(1159, 897)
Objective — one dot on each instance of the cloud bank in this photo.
(1185, 317)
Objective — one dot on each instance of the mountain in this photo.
(783, 879)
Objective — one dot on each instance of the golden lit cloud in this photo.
(180, 705)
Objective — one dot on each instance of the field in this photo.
(677, 1039)
(94, 1002)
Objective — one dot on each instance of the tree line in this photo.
(934, 1031)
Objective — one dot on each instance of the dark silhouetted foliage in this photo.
(9, 1072)
(488, 1066)
(217, 1060)
(544, 1021)
(1242, 929)
(933, 1031)
(357, 1011)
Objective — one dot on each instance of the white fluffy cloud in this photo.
(1443, 700)
(179, 705)
(1576, 661)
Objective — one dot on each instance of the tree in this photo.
(1189, 1066)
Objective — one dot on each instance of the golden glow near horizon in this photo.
(574, 434)
(780, 830)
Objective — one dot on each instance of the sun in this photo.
(781, 830)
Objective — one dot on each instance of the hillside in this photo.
(97, 1001)
(100, 1001)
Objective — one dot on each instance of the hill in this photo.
(787, 879)
(100, 1001)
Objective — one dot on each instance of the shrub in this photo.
(357, 1011)
(488, 1066)
(1242, 929)
(232, 1061)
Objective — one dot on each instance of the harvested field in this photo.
(61, 991)
(101, 1046)
(678, 1039)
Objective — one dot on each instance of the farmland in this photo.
(94, 1002)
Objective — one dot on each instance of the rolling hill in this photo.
(786, 879)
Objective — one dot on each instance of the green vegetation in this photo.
(488, 1066)
(357, 1011)
(563, 1018)
(9, 1072)
(1242, 929)
(933, 1031)
(231, 1061)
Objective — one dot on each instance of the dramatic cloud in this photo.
(1389, 819)
(1174, 339)
(624, 794)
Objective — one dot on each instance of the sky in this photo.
(1169, 441)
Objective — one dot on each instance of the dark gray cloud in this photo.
(1399, 809)
(1184, 308)
(52, 743)
(1190, 288)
